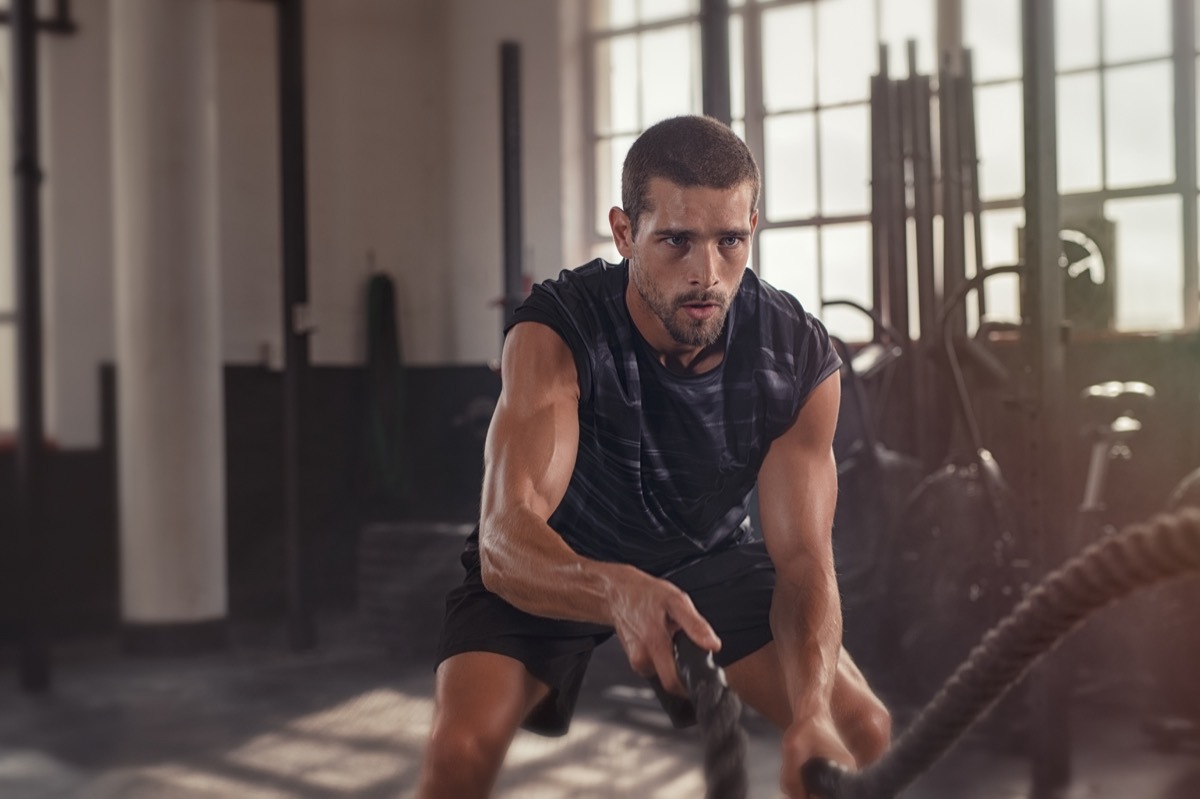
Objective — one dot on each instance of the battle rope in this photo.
(1165, 547)
(718, 714)
(1141, 555)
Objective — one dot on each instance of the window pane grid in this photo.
(1109, 77)
(616, 17)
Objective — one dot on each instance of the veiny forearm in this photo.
(806, 620)
(529, 565)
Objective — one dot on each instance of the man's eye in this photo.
(676, 241)
(731, 241)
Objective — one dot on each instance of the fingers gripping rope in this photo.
(718, 714)
(1141, 555)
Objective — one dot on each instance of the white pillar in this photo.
(170, 415)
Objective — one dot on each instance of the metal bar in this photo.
(1045, 359)
(816, 221)
(897, 281)
(881, 216)
(714, 66)
(1102, 73)
(970, 157)
(294, 210)
(593, 36)
(755, 112)
(953, 253)
(31, 573)
(928, 300)
(950, 32)
(1185, 153)
(510, 145)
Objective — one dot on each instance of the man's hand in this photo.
(816, 736)
(646, 612)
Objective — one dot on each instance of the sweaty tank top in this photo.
(666, 463)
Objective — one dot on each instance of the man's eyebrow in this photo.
(671, 231)
(668, 231)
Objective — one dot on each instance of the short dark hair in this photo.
(688, 151)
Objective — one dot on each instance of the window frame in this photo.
(593, 39)
(1183, 58)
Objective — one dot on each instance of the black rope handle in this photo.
(718, 714)
(1165, 547)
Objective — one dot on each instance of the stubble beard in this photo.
(683, 329)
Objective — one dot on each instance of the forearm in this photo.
(806, 621)
(529, 565)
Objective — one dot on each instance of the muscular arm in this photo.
(528, 461)
(797, 493)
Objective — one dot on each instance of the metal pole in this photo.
(953, 245)
(294, 210)
(970, 159)
(928, 304)
(714, 49)
(1185, 153)
(34, 656)
(1044, 338)
(510, 130)
(897, 280)
(882, 215)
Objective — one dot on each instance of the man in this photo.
(641, 404)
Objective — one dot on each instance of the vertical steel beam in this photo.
(970, 161)
(928, 302)
(897, 281)
(1185, 152)
(1045, 359)
(953, 240)
(714, 59)
(31, 573)
(950, 32)
(510, 145)
(755, 137)
(294, 207)
(881, 211)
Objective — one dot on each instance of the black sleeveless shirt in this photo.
(666, 463)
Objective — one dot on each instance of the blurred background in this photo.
(256, 255)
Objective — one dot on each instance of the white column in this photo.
(170, 416)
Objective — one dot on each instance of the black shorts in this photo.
(731, 589)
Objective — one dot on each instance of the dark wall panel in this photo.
(445, 411)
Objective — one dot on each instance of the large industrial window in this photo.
(801, 73)
(645, 67)
(1122, 190)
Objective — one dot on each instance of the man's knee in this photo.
(466, 747)
(462, 760)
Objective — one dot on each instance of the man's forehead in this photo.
(664, 190)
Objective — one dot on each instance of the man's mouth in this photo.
(701, 310)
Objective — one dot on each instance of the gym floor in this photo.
(350, 719)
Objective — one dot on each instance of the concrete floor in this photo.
(349, 721)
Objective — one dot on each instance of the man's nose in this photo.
(705, 272)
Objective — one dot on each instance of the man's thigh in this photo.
(485, 692)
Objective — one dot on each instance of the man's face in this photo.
(687, 261)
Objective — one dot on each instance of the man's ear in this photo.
(622, 231)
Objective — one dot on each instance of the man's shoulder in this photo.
(586, 290)
(594, 276)
(766, 298)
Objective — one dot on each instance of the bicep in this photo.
(534, 435)
(797, 484)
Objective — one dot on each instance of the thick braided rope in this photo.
(1141, 555)
(718, 715)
